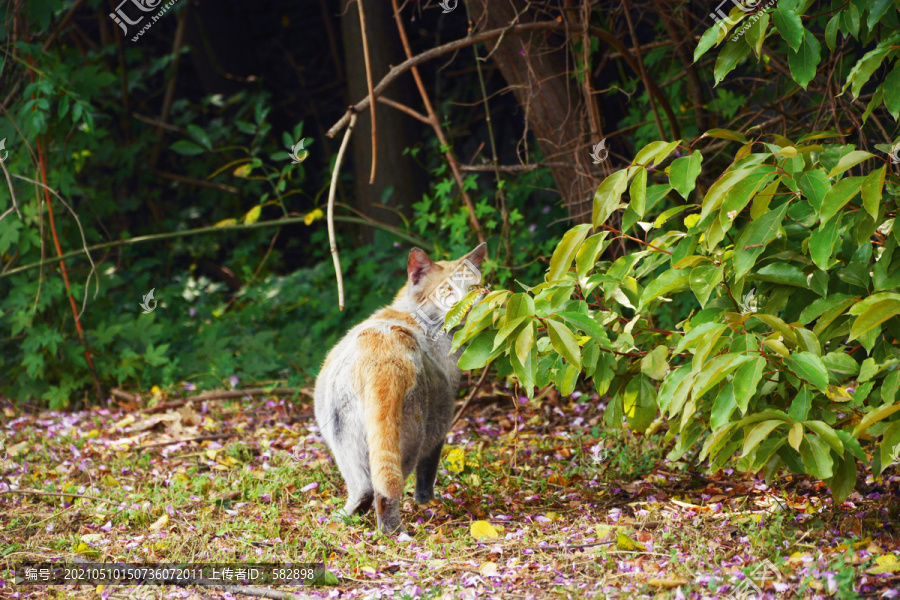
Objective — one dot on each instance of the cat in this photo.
(384, 397)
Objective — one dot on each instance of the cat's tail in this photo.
(385, 372)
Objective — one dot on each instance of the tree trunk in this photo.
(539, 73)
(396, 131)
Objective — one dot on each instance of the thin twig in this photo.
(436, 125)
(483, 36)
(365, 43)
(471, 395)
(199, 438)
(626, 9)
(221, 395)
(217, 229)
(331, 192)
(12, 193)
(198, 182)
(405, 109)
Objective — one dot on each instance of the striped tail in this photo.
(385, 372)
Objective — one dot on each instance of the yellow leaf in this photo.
(91, 537)
(226, 223)
(623, 542)
(93, 433)
(837, 393)
(489, 569)
(252, 215)
(83, 548)
(124, 422)
(160, 523)
(553, 516)
(881, 570)
(312, 216)
(483, 529)
(243, 170)
(456, 460)
(156, 391)
(691, 220)
(109, 481)
(887, 559)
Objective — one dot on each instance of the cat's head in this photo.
(434, 287)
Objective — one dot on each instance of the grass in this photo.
(575, 509)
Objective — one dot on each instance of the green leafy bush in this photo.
(788, 356)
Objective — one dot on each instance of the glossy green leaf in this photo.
(683, 173)
(562, 258)
(746, 381)
(874, 316)
(755, 238)
(608, 197)
(816, 457)
(805, 59)
(808, 367)
(563, 341)
(838, 197)
(871, 189)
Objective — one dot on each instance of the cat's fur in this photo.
(384, 397)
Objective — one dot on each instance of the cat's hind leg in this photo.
(426, 471)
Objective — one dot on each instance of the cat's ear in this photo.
(418, 265)
(477, 255)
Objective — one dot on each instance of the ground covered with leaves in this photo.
(536, 499)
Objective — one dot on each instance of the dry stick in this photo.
(331, 191)
(224, 395)
(436, 125)
(471, 395)
(477, 38)
(65, 275)
(365, 42)
(12, 194)
(199, 438)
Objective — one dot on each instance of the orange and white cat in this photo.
(384, 397)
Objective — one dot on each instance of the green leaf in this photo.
(814, 185)
(587, 254)
(875, 315)
(746, 380)
(844, 480)
(726, 134)
(831, 31)
(723, 407)
(755, 238)
(789, 25)
(479, 351)
(838, 196)
(879, 414)
(199, 136)
(186, 148)
(759, 433)
(669, 281)
(655, 152)
(654, 364)
(671, 384)
(892, 92)
(800, 405)
(562, 258)
(508, 328)
(808, 367)
(588, 325)
(683, 173)
(524, 343)
(639, 403)
(564, 342)
(850, 160)
(638, 192)
(804, 60)
(871, 190)
(822, 241)
(704, 279)
(890, 446)
(733, 53)
(816, 457)
(608, 196)
(828, 435)
(820, 306)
